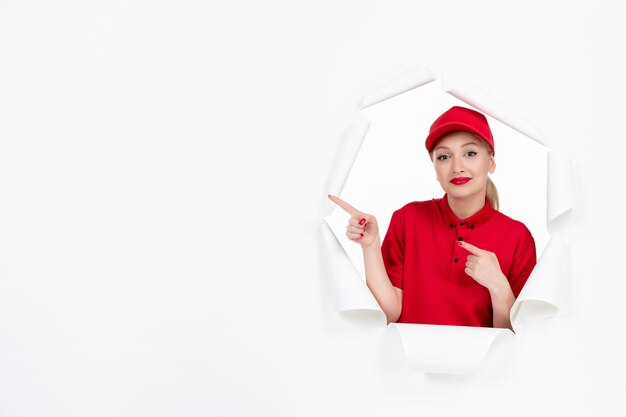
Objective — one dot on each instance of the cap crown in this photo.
(460, 118)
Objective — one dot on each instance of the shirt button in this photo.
(472, 226)
(451, 226)
(459, 238)
(456, 260)
(462, 223)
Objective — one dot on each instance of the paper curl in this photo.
(540, 297)
(560, 190)
(348, 291)
(412, 77)
(446, 349)
(449, 349)
(347, 150)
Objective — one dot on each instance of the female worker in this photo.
(454, 260)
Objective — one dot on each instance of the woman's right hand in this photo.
(362, 228)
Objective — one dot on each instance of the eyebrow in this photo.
(465, 144)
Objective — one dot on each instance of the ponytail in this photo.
(492, 194)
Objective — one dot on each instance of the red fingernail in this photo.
(459, 243)
(362, 235)
(362, 222)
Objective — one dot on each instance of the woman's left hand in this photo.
(484, 267)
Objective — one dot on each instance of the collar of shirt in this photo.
(475, 220)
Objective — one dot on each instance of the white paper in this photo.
(540, 297)
(347, 151)
(347, 289)
(446, 349)
(407, 80)
(476, 97)
(560, 186)
(451, 349)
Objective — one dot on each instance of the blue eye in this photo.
(442, 157)
(471, 153)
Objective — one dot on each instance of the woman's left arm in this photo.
(484, 267)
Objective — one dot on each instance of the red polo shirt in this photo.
(422, 257)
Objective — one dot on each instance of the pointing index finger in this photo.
(471, 248)
(347, 207)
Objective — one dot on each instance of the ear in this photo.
(492, 164)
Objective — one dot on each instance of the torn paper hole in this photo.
(392, 137)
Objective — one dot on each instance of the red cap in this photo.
(460, 118)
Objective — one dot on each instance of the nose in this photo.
(457, 165)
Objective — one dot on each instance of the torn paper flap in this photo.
(560, 185)
(446, 349)
(345, 155)
(540, 297)
(347, 289)
(476, 97)
(407, 80)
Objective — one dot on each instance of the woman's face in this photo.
(462, 162)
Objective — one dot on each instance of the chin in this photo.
(461, 193)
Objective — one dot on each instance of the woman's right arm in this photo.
(389, 297)
(363, 229)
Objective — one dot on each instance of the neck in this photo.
(467, 206)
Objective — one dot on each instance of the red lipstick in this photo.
(459, 180)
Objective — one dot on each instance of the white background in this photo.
(161, 171)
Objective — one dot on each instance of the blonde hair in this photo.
(492, 194)
(492, 191)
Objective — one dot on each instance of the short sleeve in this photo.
(524, 262)
(393, 249)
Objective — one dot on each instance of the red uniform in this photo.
(423, 258)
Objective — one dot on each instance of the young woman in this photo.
(454, 260)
